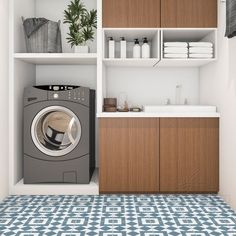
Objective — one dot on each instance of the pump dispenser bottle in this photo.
(136, 49)
(111, 47)
(145, 49)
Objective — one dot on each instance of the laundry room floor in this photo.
(117, 215)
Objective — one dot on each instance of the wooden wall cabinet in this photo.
(160, 13)
(188, 13)
(189, 155)
(129, 155)
(131, 13)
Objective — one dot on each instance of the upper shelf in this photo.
(157, 38)
(130, 62)
(184, 62)
(58, 58)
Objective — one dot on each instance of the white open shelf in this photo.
(153, 36)
(57, 189)
(165, 62)
(130, 62)
(58, 58)
(188, 35)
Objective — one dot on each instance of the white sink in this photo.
(180, 108)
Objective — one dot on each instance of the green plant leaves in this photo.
(81, 23)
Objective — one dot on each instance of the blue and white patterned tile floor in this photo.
(117, 215)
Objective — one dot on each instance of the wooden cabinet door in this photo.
(115, 13)
(188, 13)
(129, 155)
(131, 13)
(189, 155)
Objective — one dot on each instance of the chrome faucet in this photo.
(178, 94)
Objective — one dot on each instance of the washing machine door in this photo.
(56, 131)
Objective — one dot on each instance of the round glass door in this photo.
(56, 131)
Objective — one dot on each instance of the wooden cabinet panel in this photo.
(131, 13)
(188, 13)
(115, 13)
(144, 13)
(129, 155)
(189, 155)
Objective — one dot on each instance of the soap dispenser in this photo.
(123, 48)
(145, 49)
(111, 47)
(136, 49)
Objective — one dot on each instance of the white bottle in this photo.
(111, 48)
(145, 49)
(123, 48)
(136, 49)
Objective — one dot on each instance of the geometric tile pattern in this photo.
(117, 215)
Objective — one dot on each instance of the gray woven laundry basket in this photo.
(42, 37)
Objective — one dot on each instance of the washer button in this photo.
(55, 96)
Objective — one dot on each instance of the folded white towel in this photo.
(200, 50)
(202, 55)
(176, 44)
(175, 50)
(200, 44)
(177, 55)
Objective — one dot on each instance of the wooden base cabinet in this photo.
(167, 155)
(129, 155)
(189, 155)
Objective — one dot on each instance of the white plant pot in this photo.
(81, 49)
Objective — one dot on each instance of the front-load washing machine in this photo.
(59, 134)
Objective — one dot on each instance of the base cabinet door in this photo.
(188, 13)
(129, 155)
(189, 155)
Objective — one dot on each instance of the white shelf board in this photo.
(57, 189)
(131, 62)
(158, 114)
(184, 62)
(58, 58)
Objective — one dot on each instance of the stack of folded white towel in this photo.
(175, 50)
(200, 50)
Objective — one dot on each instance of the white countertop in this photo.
(158, 114)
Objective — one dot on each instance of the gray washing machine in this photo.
(59, 134)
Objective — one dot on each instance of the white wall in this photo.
(73, 75)
(152, 86)
(4, 99)
(218, 86)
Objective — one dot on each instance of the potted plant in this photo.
(82, 25)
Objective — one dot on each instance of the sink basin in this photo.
(180, 108)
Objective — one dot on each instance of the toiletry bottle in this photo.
(111, 48)
(123, 48)
(136, 49)
(145, 49)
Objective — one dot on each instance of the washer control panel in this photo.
(78, 94)
(69, 93)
